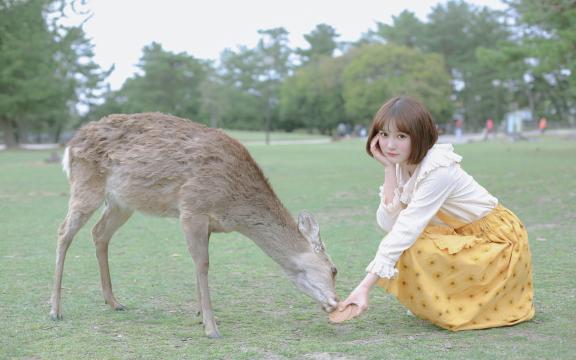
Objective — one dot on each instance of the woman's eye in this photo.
(402, 136)
(383, 133)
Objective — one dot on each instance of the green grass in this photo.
(258, 136)
(260, 313)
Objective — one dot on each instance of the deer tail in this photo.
(66, 161)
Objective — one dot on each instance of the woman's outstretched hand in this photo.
(376, 151)
(359, 297)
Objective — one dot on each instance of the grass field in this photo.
(258, 136)
(261, 315)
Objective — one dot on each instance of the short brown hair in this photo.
(410, 117)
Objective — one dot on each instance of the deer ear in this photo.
(310, 229)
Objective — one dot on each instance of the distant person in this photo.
(542, 125)
(489, 130)
(54, 158)
(458, 129)
(511, 126)
(453, 255)
(518, 126)
(342, 130)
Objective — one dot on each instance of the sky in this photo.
(119, 29)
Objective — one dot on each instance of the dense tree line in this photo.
(46, 70)
(463, 61)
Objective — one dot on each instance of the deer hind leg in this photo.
(198, 295)
(112, 219)
(196, 230)
(86, 196)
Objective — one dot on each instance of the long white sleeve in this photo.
(426, 200)
(387, 214)
(437, 183)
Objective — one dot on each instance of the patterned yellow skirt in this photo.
(468, 276)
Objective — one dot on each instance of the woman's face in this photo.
(395, 145)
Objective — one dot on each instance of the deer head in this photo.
(314, 273)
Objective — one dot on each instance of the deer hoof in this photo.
(213, 334)
(115, 305)
(56, 317)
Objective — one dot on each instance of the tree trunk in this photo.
(21, 132)
(57, 134)
(267, 129)
(213, 118)
(9, 135)
(531, 105)
(268, 121)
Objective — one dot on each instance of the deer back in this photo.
(161, 164)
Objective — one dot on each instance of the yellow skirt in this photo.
(473, 276)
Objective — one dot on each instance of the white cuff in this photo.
(392, 205)
(383, 270)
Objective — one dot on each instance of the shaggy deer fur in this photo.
(166, 166)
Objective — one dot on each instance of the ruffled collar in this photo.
(439, 155)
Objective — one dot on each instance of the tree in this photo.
(213, 102)
(25, 65)
(312, 96)
(475, 27)
(46, 69)
(548, 30)
(251, 80)
(273, 55)
(111, 103)
(377, 72)
(239, 71)
(82, 77)
(322, 43)
(168, 82)
(506, 66)
(406, 30)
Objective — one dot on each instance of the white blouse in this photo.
(438, 183)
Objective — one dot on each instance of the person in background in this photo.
(458, 129)
(489, 130)
(542, 125)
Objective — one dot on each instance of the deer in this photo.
(166, 166)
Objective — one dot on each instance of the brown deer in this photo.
(167, 166)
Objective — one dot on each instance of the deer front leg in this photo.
(196, 230)
(75, 219)
(112, 219)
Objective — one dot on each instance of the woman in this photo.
(452, 255)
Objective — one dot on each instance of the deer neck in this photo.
(279, 239)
